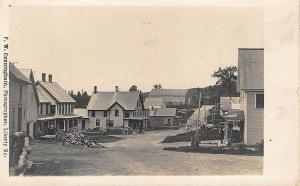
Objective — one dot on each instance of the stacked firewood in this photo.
(19, 149)
(77, 139)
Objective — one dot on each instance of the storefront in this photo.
(234, 126)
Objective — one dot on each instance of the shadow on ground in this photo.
(217, 150)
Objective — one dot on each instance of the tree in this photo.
(227, 79)
(133, 88)
(157, 86)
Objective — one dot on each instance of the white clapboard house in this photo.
(117, 109)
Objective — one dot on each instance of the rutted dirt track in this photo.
(137, 155)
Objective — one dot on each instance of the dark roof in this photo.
(159, 112)
(168, 92)
(56, 92)
(104, 100)
(16, 74)
(250, 69)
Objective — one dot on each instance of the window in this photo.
(42, 108)
(20, 93)
(259, 100)
(116, 113)
(127, 114)
(97, 122)
(52, 109)
(47, 109)
(93, 113)
(63, 109)
(13, 118)
(105, 114)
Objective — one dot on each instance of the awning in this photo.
(71, 116)
(45, 118)
(235, 115)
(136, 118)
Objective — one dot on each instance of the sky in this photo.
(179, 47)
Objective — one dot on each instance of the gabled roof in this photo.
(104, 100)
(159, 112)
(16, 74)
(250, 69)
(44, 97)
(30, 75)
(168, 92)
(153, 101)
(56, 92)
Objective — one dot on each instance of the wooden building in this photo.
(117, 109)
(251, 87)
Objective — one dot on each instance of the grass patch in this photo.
(186, 136)
(105, 138)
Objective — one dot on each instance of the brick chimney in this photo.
(50, 78)
(116, 88)
(95, 89)
(44, 77)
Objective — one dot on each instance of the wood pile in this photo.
(79, 139)
(19, 149)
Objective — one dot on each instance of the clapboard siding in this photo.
(254, 120)
(15, 103)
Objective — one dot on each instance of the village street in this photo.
(137, 155)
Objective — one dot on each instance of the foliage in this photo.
(82, 99)
(227, 78)
(157, 86)
(133, 88)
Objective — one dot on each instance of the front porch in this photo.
(51, 124)
(137, 123)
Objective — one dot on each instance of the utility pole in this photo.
(196, 138)
(199, 105)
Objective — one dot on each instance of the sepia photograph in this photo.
(136, 91)
(142, 93)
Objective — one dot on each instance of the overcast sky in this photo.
(179, 47)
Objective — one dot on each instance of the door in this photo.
(27, 129)
(83, 124)
(19, 119)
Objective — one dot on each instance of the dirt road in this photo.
(137, 155)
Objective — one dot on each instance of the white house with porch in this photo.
(56, 109)
(117, 109)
